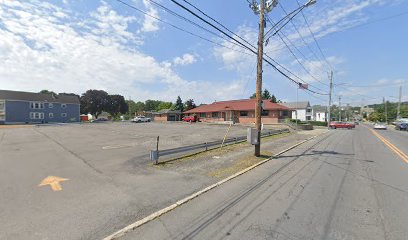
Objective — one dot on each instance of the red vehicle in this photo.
(190, 119)
(347, 125)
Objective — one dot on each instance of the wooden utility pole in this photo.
(399, 103)
(258, 107)
(330, 99)
(339, 108)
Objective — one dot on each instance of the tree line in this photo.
(97, 101)
(267, 95)
(156, 105)
(379, 111)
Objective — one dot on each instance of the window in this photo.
(50, 105)
(36, 105)
(63, 105)
(63, 115)
(2, 105)
(265, 113)
(51, 115)
(2, 110)
(36, 115)
(243, 114)
(214, 115)
(308, 118)
(309, 110)
(203, 115)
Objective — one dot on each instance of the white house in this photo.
(300, 110)
(319, 113)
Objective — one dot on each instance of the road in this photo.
(344, 185)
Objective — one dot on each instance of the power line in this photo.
(294, 55)
(245, 46)
(314, 38)
(241, 44)
(188, 20)
(199, 10)
(300, 35)
(181, 29)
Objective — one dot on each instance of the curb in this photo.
(157, 214)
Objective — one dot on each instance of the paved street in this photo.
(346, 184)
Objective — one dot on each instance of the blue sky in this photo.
(75, 45)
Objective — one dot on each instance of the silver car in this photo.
(141, 119)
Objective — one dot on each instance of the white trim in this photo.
(50, 105)
(36, 115)
(3, 111)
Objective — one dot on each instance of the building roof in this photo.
(297, 105)
(43, 97)
(237, 105)
(318, 108)
(168, 111)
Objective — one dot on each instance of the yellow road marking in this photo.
(54, 182)
(391, 146)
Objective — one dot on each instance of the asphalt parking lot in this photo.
(85, 181)
(109, 180)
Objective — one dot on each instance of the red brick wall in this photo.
(273, 117)
(160, 118)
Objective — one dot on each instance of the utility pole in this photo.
(330, 98)
(385, 110)
(399, 103)
(339, 108)
(258, 108)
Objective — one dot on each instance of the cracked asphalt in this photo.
(343, 185)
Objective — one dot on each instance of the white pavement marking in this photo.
(157, 214)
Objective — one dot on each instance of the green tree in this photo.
(135, 107)
(151, 105)
(179, 104)
(266, 94)
(189, 104)
(47, 92)
(273, 99)
(117, 105)
(164, 105)
(94, 102)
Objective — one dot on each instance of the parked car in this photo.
(141, 119)
(190, 119)
(347, 125)
(380, 126)
(401, 126)
(100, 119)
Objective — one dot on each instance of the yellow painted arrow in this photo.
(54, 182)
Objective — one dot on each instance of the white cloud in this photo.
(186, 59)
(150, 24)
(43, 50)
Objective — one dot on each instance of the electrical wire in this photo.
(245, 46)
(315, 40)
(300, 35)
(181, 29)
(294, 55)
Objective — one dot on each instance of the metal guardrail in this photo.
(202, 147)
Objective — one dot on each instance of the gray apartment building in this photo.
(27, 107)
